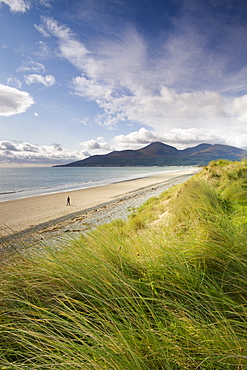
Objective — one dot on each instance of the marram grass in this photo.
(164, 290)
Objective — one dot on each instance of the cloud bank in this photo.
(26, 153)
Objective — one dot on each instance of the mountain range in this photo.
(159, 154)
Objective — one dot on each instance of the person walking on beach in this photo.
(68, 201)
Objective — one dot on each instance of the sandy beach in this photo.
(46, 211)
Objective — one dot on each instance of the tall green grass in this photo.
(164, 290)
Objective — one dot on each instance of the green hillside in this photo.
(166, 289)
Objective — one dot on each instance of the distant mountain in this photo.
(159, 154)
(158, 150)
(195, 149)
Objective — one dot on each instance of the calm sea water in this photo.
(22, 182)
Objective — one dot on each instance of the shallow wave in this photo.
(8, 192)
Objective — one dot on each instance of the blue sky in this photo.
(79, 78)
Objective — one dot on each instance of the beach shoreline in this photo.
(49, 214)
(19, 184)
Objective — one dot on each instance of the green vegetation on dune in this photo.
(164, 290)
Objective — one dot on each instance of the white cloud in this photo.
(95, 146)
(13, 101)
(93, 82)
(180, 138)
(85, 121)
(26, 147)
(24, 5)
(190, 105)
(14, 82)
(140, 137)
(70, 48)
(184, 137)
(46, 3)
(47, 81)
(31, 66)
(7, 145)
(125, 61)
(26, 153)
(17, 5)
(91, 88)
(166, 108)
(238, 108)
(41, 29)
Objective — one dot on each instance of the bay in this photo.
(23, 182)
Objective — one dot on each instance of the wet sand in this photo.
(47, 211)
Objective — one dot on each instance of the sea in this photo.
(24, 182)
